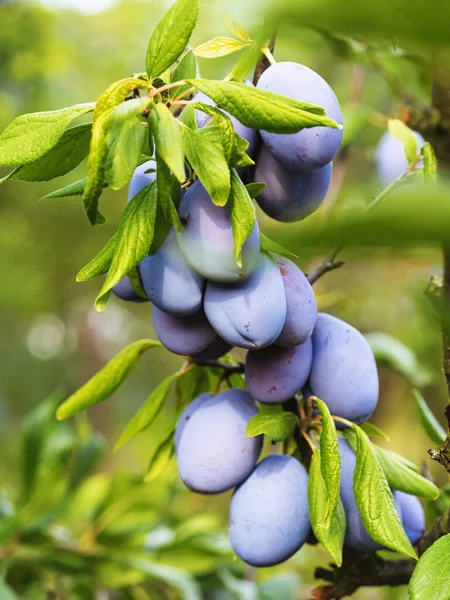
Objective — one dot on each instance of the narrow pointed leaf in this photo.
(106, 381)
(31, 136)
(100, 263)
(430, 165)
(277, 426)
(186, 69)
(242, 214)
(171, 36)
(330, 460)
(169, 139)
(268, 245)
(162, 455)
(255, 189)
(169, 194)
(431, 577)
(429, 422)
(72, 189)
(219, 46)
(406, 137)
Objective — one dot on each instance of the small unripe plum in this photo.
(140, 178)
(301, 305)
(356, 536)
(207, 240)
(125, 291)
(183, 335)
(213, 451)
(344, 373)
(275, 374)
(290, 196)
(169, 282)
(187, 414)
(249, 314)
(251, 135)
(390, 157)
(308, 149)
(413, 516)
(269, 518)
(217, 348)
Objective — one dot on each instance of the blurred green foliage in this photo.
(74, 507)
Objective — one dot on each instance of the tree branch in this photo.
(264, 62)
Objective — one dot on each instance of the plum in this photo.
(169, 282)
(290, 196)
(249, 314)
(356, 536)
(413, 516)
(183, 335)
(301, 305)
(251, 135)
(187, 414)
(269, 518)
(125, 291)
(275, 374)
(213, 451)
(390, 157)
(217, 348)
(344, 373)
(312, 148)
(207, 240)
(140, 178)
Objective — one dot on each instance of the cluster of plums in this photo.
(204, 304)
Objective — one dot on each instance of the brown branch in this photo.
(292, 406)
(228, 369)
(263, 63)
(329, 264)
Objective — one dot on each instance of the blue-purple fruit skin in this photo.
(187, 414)
(140, 178)
(390, 157)
(214, 453)
(344, 373)
(207, 239)
(217, 348)
(275, 374)
(183, 335)
(356, 536)
(308, 149)
(301, 305)
(290, 196)
(251, 135)
(125, 291)
(269, 512)
(249, 314)
(413, 516)
(169, 282)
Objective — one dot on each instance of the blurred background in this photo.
(61, 52)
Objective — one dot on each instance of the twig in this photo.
(228, 369)
(302, 443)
(264, 62)
(327, 265)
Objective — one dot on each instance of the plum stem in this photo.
(268, 54)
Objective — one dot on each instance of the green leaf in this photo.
(101, 263)
(67, 154)
(330, 461)
(141, 222)
(374, 499)
(169, 194)
(332, 536)
(248, 60)
(72, 189)
(162, 455)
(148, 411)
(188, 117)
(255, 189)
(399, 357)
(242, 215)
(136, 283)
(36, 428)
(86, 460)
(126, 138)
(236, 29)
(186, 69)
(106, 381)
(431, 577)
(116, 93)
(259, 109)
(204, 151)
(268, 245)
(401, 477)
(31, 136)
(180, 580)
(431, 425)
(219, 46)
(169, 140)
(406, 137)
(277, 426)
(171, 36)
(373, 431)
(430, 165)
(223, 122)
